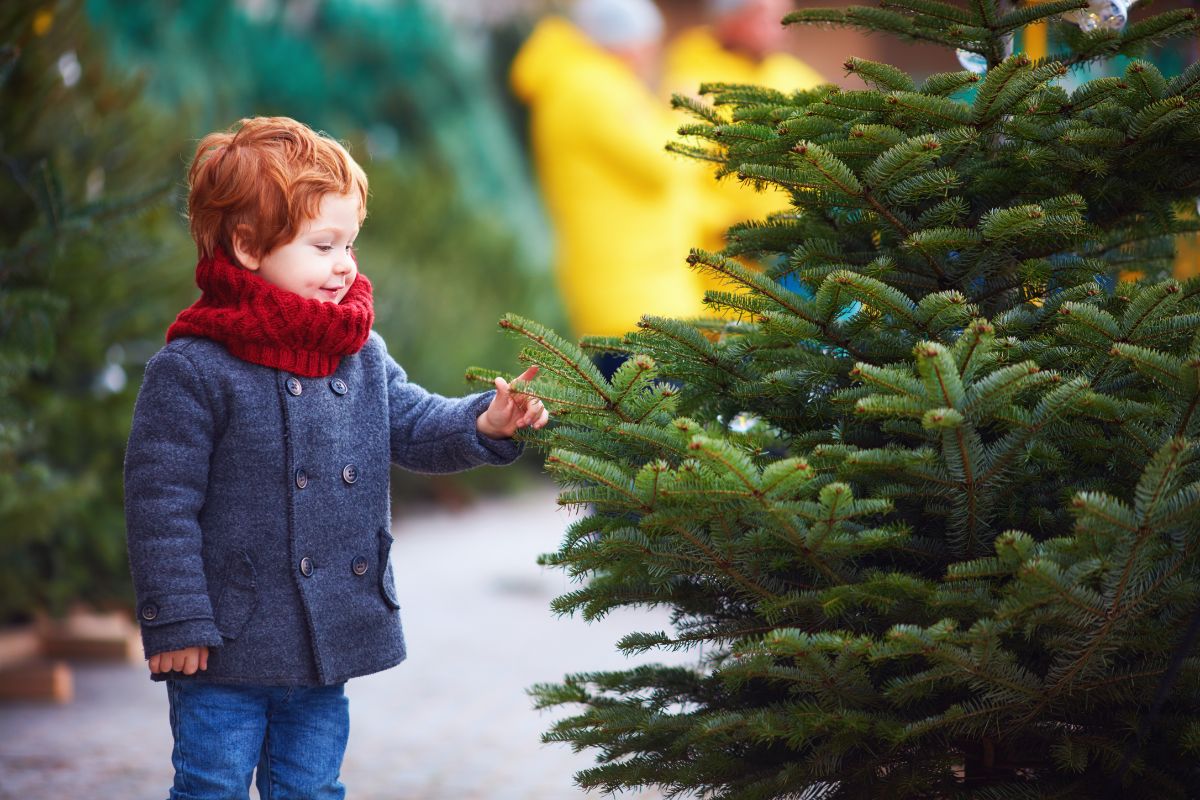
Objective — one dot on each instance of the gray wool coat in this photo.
(257, 508)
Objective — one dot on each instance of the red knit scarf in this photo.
(263, 324)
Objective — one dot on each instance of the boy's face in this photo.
(317, 263)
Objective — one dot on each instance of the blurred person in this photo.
(619, 204)
(256, 475)
(744, 42)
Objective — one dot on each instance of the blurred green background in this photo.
(102, 103)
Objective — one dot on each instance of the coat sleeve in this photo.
(435, 434)
(166, 479)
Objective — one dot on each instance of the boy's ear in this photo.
(241, 248)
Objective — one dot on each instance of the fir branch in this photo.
(1166, 113)
(691, 341)
(786, 299)
(986, 11)
(942, 84)
(1187, 83)
(1048, 410)
(695, 153)
(1145, 78)
(877, 294)
(1149, 303)
(663, 400)
(995, 82)
(546, 366)
(1160, 367)
(1104, 44)
(950, 113)
(724, 565)
(978, 338)
(860, 102)
(1021, 16)
(902, 160)
(832, 169)
(641, 365)
(937, 10)
(883, 76)
(559, 347)
(1095, 92)
(1045, 574)
(698, 109)
(864, 17)
(1140, 601)
(1163, 466)
(935, 183)
(891, 379)
(1185, 419)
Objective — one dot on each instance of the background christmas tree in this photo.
(89, 248)
(930, 519)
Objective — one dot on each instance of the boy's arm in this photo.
(434, 434)
(166, 477)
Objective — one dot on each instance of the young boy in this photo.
(256, 477)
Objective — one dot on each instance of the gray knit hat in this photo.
(611, 23)
(719, 8)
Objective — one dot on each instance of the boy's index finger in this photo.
(501, 388)
(520, 384)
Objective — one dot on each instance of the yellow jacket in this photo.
(696, 57)
(621, 207)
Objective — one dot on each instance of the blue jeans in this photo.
(296, 736)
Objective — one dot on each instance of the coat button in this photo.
(359, 566)
(301, 479)
(306, 567)
(349, 473)
(339, 386)
(294, 388)
(149, 611)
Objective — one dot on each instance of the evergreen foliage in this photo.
(89, 252)
(932, 523)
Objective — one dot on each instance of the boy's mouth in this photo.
(329, 294)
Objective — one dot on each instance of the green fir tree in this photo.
(89, 251)
(924, 498)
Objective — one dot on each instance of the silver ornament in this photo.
(1100, 15)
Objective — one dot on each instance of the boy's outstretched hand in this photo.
(510, 410)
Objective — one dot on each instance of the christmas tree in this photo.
(89, 279)
(928, 509)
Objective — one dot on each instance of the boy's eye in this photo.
(324, 248)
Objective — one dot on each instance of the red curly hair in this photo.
(264, 177)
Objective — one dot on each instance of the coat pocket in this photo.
(387, 582)
(238, 597)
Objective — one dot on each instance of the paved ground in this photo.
(451, 723)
